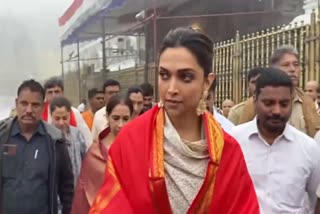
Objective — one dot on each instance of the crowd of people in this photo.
(127, 154)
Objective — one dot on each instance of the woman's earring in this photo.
(202, 107)
(160, 104)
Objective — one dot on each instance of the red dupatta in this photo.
(134, 181)
(91, 176)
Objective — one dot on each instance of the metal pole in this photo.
(146, 43)
(79, 71)
(62, 62)
(104, 56)
(155, 48)
(146, 52)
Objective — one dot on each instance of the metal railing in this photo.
(234, 58)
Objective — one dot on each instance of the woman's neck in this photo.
(107, 141)
(188, 127)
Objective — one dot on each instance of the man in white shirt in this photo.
(225, 123)
(282, 161)
(82, 106)
(110, 88)
(54, 87)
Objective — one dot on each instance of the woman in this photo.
(119, 111)
(175, 158)
(60, 108)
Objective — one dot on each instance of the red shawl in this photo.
(91, 176)
(45, 115)
(134, 180)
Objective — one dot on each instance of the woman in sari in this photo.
(119, 111)
(175, 158)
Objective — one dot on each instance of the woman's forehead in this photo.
(175, 59)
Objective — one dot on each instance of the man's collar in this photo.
(16, 129)
(253, 130)
(297, 98)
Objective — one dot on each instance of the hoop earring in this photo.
(202, 107)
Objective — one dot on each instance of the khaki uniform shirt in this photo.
(297, 119)
(235, 113)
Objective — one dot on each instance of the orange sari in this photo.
(134, 181)
(91, 176)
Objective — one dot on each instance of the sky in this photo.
(29, 44)
(29, 41)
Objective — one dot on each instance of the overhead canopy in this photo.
(85, 19)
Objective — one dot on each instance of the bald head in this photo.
(226, 106)
(311, 89)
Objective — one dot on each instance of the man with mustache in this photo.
(282, 161)
(34, 161)
(304, 115)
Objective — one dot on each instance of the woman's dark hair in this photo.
(116, 100)
(199, 44)
(273, 77)
(59, 102)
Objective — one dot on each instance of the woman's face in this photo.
(119, 117)
(61, 118)
(181, 81)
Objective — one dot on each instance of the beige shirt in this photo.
(100, 122)
(317, 106)
(235, 113)
(297, 119)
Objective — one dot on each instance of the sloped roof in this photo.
(84, 19)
